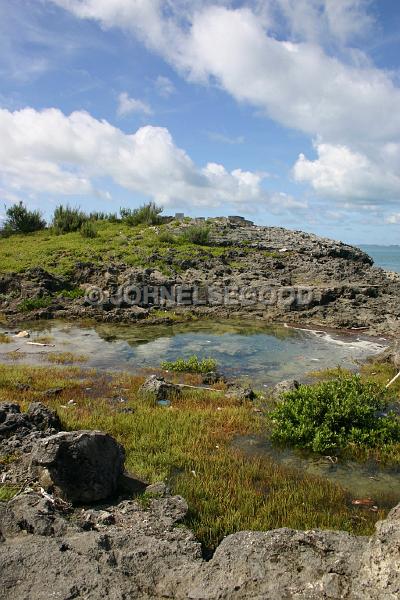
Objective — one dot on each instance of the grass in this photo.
(7, 491)
(4, 339)
(192, 365)
(34, 303)
(65, 358)
(189, 445)
(115, 242)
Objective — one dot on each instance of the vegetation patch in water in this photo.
(191, 365)
(344, 414)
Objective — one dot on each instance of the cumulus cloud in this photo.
(127, 106)
(49, 151)
(345, 174)
(290, 59)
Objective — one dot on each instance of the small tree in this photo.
(21, 220)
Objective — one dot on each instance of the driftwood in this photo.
(393, 380)
(39, 344)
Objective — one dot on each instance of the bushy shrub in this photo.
(166, 237)
(196, 234)
(88, 230)
(102, 216)
(34, 303)
(334, 415)
(67, 219)
(21, 220)
(148, 214)
(191, 365)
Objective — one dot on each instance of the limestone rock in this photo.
(82, 466)
(159, 389)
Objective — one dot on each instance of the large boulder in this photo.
(80, 466)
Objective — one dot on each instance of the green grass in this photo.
(7, 491)
(189, 446)
(34, 303)
(65, 358)
(4, 339)
(192, 365)
(162, 246)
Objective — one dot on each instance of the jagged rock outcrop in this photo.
(127, 551)
(266, 272)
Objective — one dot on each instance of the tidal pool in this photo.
(260, 354)
(362, 481)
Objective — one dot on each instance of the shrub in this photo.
(88, 230)
(167, 237)
(335, 415)
(192, 365)
(67, 219)
(148, 214)
(21, 220)
(196, 234)
(101, 216)
(34, 303)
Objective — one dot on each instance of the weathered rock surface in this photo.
(83, 466)
(159, 389)
(127, 551)
(19, 431)
(270, 273)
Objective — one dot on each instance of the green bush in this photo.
(34, 303)
(102, 216)
(191, 365)
(21, 220)
(88, 230)
(335, 415)
(148, 214)
(166, 237)
(196, 234)
(72, 294)
(67, 219)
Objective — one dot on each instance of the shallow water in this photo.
(258, 353)
(361, 480)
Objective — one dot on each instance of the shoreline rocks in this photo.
(133, 549)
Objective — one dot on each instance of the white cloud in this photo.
(50, 152)
(164, 86)
(342, 173)
(127, 106)
(289, 59)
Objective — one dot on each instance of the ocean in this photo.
(387, 257)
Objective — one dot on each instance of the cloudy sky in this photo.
(285, 111)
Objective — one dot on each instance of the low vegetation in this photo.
(29, 304)
(196, 234)
(191, 365)
(65, 358)
(189, 446)
(88, 230)
(4, 338)
(346, 414)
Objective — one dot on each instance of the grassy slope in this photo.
(115, 242)
(189, 445)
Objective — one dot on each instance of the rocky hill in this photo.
(240, 270)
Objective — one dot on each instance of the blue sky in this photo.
(285, 111)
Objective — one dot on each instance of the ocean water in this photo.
(387, 257)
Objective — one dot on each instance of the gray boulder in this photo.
(159, 389)
(80, 466)
(287, 385)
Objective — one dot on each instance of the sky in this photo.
(284, 111)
